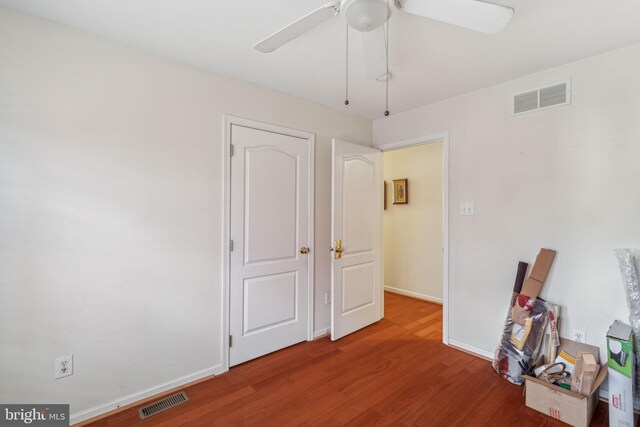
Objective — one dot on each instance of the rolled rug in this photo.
(629, 261)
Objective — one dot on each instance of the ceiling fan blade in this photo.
(374, 45)
(472, 14)
(297, 28)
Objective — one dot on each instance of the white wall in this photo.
(111, 211)
(413, 232)
(565, 178)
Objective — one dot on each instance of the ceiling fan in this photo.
(368, 15)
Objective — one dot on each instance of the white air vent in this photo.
(539, 99)
(524, 102)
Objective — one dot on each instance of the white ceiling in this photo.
(430, 61)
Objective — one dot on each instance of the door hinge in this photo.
(231, 245)
(231, 150)
(230, 341)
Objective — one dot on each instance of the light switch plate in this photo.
(466, 208)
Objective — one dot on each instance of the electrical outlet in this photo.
(466, 208)
(64, 366)
(327, 298)
(579, 336)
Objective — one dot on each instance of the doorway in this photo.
(415, 223)
(269, 263)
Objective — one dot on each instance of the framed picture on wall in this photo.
(400, 192)
(384, 191)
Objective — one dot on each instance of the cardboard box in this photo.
(621, 373)
(542, 265)
(533, 285)
(565, 405)
(531, 288)
(585, 373)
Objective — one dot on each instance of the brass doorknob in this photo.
(304, 250)
(338, 250)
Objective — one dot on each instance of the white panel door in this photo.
(356, 285)
(269, 226)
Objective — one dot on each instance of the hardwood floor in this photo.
(394, 373)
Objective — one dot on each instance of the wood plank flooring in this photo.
(394, 373)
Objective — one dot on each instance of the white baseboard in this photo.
(471, 349)
(413, 294)
(602, 393)
(95, 411)
(321, 332)
(98, 410)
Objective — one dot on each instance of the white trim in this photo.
(226, 223)
(427, 139)
(413, 294)
(310, 237)
(321, 332)
(445, 240)
(602, 392)
(471, 349)
(226, 231)
(95, 411)
(239, 121)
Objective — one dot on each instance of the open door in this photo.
(356, 232)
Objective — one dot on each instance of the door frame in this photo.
(428, 139)
(230, 120)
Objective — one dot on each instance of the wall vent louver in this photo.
(542, 98)
(162, 405)
(524, 102)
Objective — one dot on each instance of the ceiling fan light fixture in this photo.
(365, 15)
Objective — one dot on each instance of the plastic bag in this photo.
(521, 345)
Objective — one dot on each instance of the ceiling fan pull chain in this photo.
(386, 111)
(346, 79)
